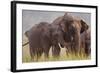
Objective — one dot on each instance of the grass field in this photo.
(26, 55)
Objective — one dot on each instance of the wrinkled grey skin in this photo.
(65, 30)
(58, 37)
(39, 40)
(43, 36)
(72, 28)
(86, 41)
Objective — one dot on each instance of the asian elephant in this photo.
(39, 39)
(58, 38)
(42, 36)
(64, 30)
(72, 28)
(86, 42)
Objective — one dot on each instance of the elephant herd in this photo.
(65, 31)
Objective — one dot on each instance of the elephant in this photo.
(86, 41)
(64, 30)
(42, 36)
(58, 38)
(39, 41)
(72, 28)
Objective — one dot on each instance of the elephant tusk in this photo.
(59, 45)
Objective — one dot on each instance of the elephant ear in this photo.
(26, 33)
(84, 26)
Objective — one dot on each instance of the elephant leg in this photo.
(32, 50)
(40, 52)
(34, 54)
(37, 54)
(31, 53)
(68, 48)
(46, 52)
(56, 51)
(87, 50)
(67, 51)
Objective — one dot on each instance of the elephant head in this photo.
(72, 24)
(72, 27)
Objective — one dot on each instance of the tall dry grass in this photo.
(26, 58)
